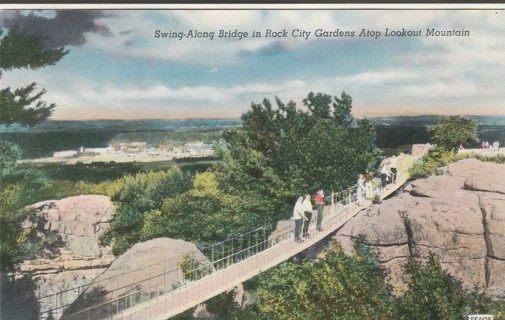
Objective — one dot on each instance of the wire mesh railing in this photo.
(110, 296)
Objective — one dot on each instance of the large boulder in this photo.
(419, 150)
(145, 271)
(78, 222)
(459, 215)
(56, 276)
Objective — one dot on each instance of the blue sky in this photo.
(117, 69)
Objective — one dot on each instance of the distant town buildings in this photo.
(143, 150)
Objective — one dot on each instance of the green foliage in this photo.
(449, 132)
(496, 158)
(23, 105)
(353, 287)
(203, 214)
(432, 294)
(210, 135)
(224, 306)
(9, 154)
(337, 287)
(191, 268)
(19, 51)
(439, 157)
(139, 196)
(177, 206)
(435, 158)
(18, 188)
(282, 152)
(376, 199)
(94, 172)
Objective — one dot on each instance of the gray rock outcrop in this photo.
(459, 215)
(145, 271)
(56, 276)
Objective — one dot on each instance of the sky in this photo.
(118, 69)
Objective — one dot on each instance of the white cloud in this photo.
(427, 71)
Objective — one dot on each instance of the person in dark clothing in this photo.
(308, 214)
(320, 205)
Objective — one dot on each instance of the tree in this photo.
(18, 188)
(281, 152)
(21, 51)
(9, 154)
(432, 292)
(450, 132)
(336, 287)
(140, 196)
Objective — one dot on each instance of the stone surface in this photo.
(72, 262)
(419, 150)
(146, 270)
(458, 214)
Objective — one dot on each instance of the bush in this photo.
(137, 197)
(429, 163)
(337, 287)
(439, 157)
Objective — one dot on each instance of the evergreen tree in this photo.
(20, 51)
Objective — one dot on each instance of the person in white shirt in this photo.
(361, 192)
(298, 217)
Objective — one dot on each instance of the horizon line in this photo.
(238, 118)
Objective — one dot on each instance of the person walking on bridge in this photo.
(308, 214)
(319, 204)
(298, 217)
(361, 191)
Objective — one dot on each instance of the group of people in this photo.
(486, 145)
(302, 214)
(388, 171)
(364, 188)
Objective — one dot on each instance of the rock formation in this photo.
(145, 271)
(73, 261)
(458, 214)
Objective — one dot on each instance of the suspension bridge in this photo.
(225, 265)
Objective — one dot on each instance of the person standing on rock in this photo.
(298, 217)
(320, 205)
(308, 214)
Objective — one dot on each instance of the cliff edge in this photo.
(458, 214)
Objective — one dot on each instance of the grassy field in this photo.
(100, 171)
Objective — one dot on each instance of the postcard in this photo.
(252, 161)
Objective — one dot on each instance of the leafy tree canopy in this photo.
(141, 195)
(450, 132)
(340, 286)
(22, 51)
(337, 287)
(280, 152)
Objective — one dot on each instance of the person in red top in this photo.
(319, 204)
